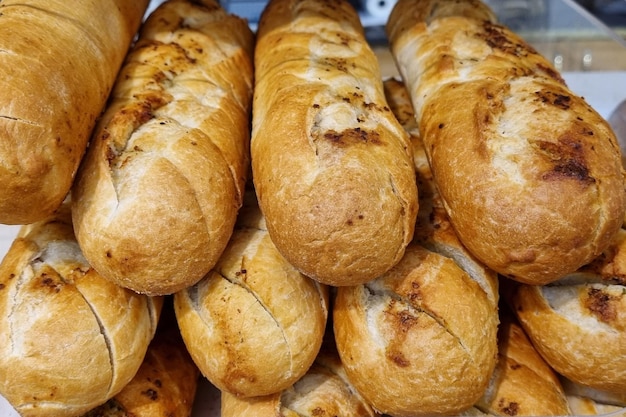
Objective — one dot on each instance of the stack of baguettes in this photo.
(312, 239)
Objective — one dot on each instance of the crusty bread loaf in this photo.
(167, 380)
(578, 325)
(71, 339)
(421, 339)
(529, 173)
(157, 195)
(58, 65)
(323, 391)
(331, 165)
(254, 324)
(522, 384)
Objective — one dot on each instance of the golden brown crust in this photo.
(529, 174)
(324, 390)
(165, 383)
(403, 347)
(407, 347)
(523, 384)
(331, 164)
(59, 63)
(578, 325)
(254, 324)
(157, 196)
(72, 339)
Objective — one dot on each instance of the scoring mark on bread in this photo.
(240, 279)
(404, 311)
(60, 253)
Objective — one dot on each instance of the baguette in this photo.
(421, 339)
(71, 338)
(156, 198)
(59, 63)
(330, 163)
(529, 173)
(254, 324)
(165, 384)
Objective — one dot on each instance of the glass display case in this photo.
(591, 57)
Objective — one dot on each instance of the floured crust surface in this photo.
(72, 339)
(530, 175)
(157, 196)
(331, 165)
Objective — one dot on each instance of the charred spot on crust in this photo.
(497, 37)
(571, 169)
(352, 136)
(508, 408)
(551, 72)
(340, 64)
(399, 359)
(601, 305)
(151, 394)
(561, 101)
(49, 282)
(567, 156)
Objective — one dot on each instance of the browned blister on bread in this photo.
(254, 324)
(529, 173)
(157, 196)
(331, 165)
(58, 63)
(71, 338)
